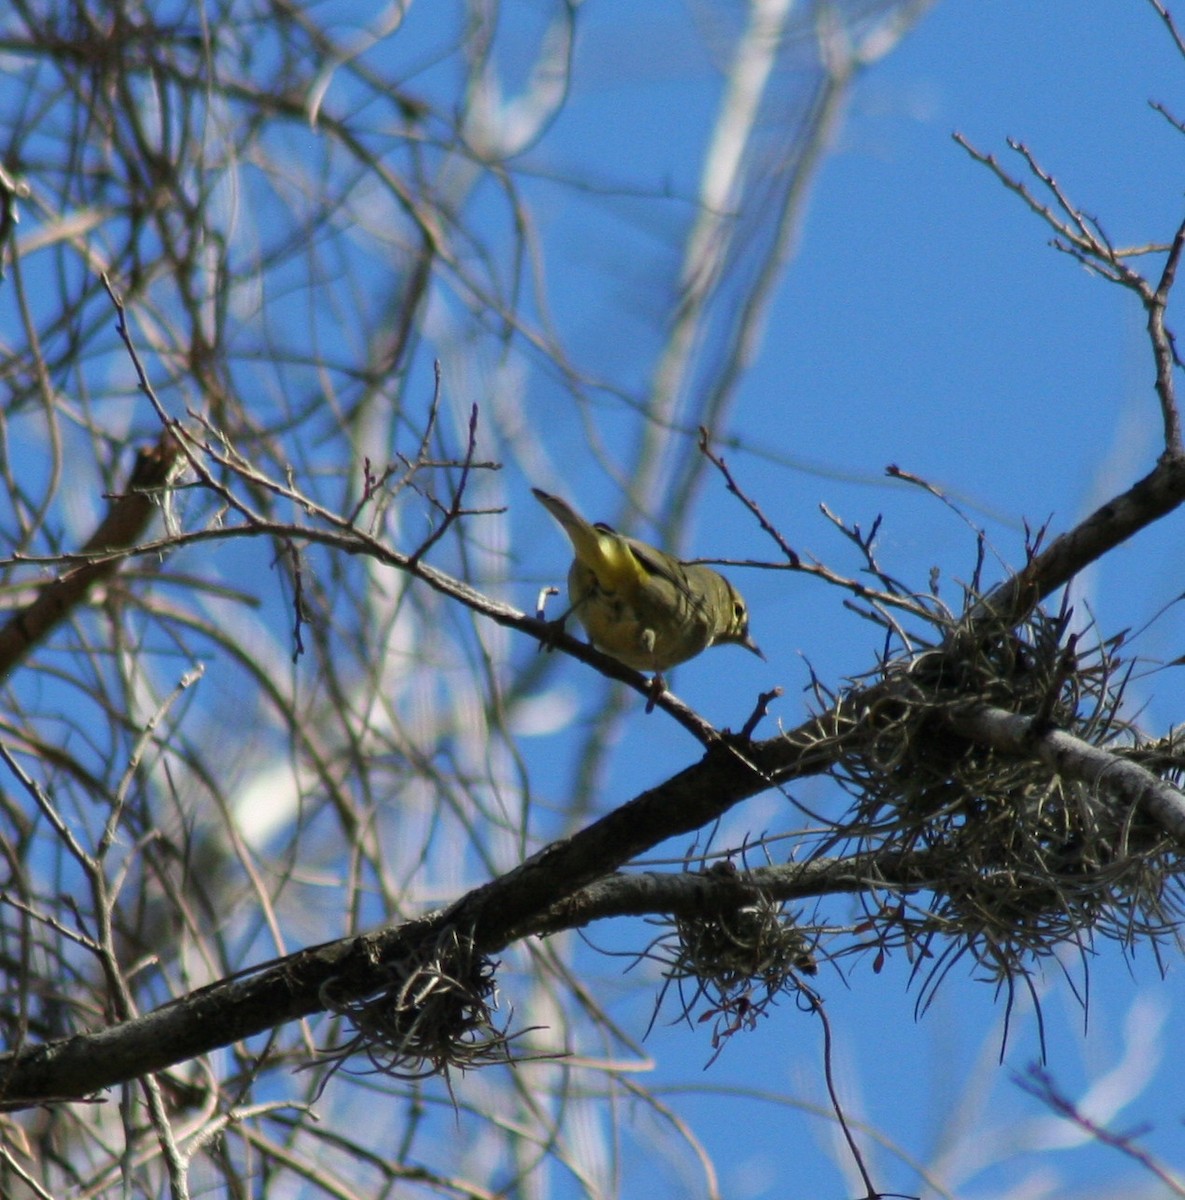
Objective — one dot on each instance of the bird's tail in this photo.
(605, 553)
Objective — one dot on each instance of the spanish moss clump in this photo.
(1019, 858)
(740, 959)
(436, 1013)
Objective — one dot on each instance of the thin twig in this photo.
(718, 462)
(1163, 349)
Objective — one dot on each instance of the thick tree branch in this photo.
(119, 531)
(1066, 755)
(1148, 500)
(567, 884)
(493, 915)
(691, 894)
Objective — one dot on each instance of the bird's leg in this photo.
(658, 685)
(555, 627)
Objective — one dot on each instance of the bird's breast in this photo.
(649, 627)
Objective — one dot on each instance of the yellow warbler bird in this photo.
(643, 607)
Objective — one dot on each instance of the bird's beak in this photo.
(750, 644)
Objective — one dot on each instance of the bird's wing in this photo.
(662, 566)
